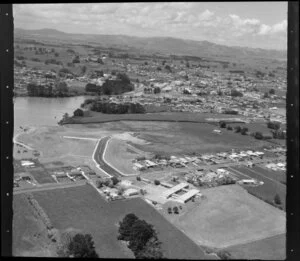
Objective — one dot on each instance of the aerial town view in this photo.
(150, 130)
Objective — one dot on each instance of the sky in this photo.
(248, 24)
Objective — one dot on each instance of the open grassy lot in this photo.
(178, 138)
(98, 117)
(276, 175)
(50, 142)
(273, 248)
(230, 216)
(82, 208)
(41, 175)
(118, 156)
(268, 190)
(29, 233)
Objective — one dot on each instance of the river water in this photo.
(37, 111)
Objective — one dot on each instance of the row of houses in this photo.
(180, 162)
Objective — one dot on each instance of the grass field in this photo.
(230, 216)
(268, 190)
(82, 208)
(178, 138)
(273, 248)
(118, 156)
(41, 175)
(276, 175)
(29, 233)
(97, 117)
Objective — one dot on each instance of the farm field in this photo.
(273, 248)
(268, 190)
(29, 233)
(230, 216)
(83, 209)
(118, 156)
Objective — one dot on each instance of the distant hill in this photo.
(166, 45)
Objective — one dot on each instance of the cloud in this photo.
(275, 29)
(175, 19)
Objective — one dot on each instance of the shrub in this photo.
(222, 124)
(115, 180)
(138, 178)
(272, 91)
(277, 199)
(244, 131)
(156, 182)
(258, 135)
(238, 129)
(229, 127)
(273, 125)
(175, 209)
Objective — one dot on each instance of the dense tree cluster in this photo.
(105, 106)
(76, 59)
(112, 87)
(259, 74)
(235, 93)
(78, 113)
(53, 61)
(157, 90)
(78, 246)
(233, 112)
(273, 125)
(141, 237)
(272, 91)
(36, 90)
(279, 134)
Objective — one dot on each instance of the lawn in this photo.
(273, 248)
(268, 190)
(82, 208)
(229, 216)
(29, 233)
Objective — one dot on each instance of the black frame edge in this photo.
(7, 121)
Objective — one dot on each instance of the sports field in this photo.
(82, 208)
(229, 216)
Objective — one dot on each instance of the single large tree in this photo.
(125, 226)
(81, 246)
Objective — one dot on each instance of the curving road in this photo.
(98, 157)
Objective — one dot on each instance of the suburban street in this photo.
(98, 157)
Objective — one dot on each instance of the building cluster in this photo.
(24, 76)
(204, 159)
(211, 178)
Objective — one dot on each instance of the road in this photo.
(98, 157)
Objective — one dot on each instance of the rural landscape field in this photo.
(153, 144)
